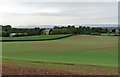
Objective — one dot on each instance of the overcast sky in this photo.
(58, 13)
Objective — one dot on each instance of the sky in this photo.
(33, 12)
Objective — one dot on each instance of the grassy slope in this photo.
(90, 51)
(38, 37)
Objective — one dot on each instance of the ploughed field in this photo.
(75, 55)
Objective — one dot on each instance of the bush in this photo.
(5, 34)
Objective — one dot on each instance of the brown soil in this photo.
(19, 70)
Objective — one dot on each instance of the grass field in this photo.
(38, 37)
(81, 54)
(111, 34)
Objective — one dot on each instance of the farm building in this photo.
(19, 34)
(46, 31)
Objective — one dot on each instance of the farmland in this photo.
(80, 54)
(35, 38)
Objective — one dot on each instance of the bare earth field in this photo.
(18, 70)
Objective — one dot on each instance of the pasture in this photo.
(80, 54)
(35, 38)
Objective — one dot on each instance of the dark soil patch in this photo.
(37, 62)
(64, 63)
(19, 70)
(52, 63)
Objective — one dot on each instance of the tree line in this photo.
(7, 29)
(81, 30)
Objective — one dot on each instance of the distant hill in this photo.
(101, 25)
(110, 26)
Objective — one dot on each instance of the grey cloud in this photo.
(73, 8)
(77, 12)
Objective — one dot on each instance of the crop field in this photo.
(34, 38)
(76, 55)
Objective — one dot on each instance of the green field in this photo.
(81, 51)
(38, 37)
(111, 34)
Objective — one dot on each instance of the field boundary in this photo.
(37, 39)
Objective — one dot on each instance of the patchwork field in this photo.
(80, 54)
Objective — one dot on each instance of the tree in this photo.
(72, 29)
(80, 30)
(56, 27)
(114, 31)
(60, 31)
(5, 34)
(95, 31)
(6, 27)
(87, 30)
